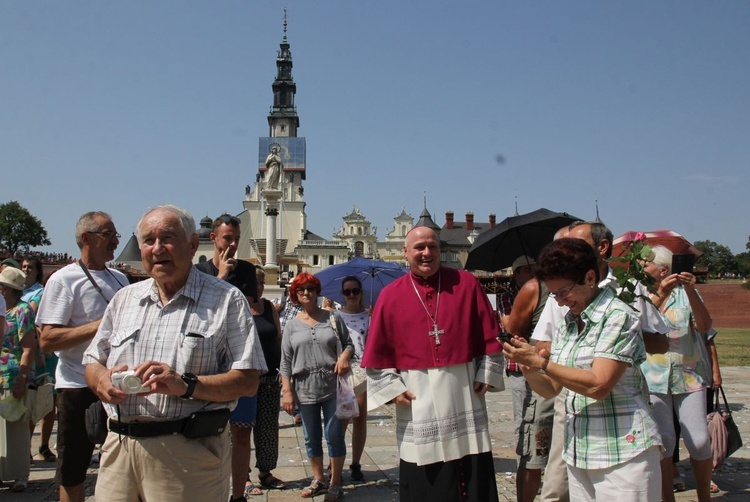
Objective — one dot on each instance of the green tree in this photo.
(719, 259)
(743, 263)
(19, 229)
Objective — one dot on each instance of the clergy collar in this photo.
(431, 280)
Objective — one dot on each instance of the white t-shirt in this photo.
(649, 320)
(71, 300)
(358, 325)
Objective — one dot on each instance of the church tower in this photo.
(283, 120)
(288, 207)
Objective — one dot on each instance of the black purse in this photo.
(734, 441)
(96, 423)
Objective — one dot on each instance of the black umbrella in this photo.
(516, 236)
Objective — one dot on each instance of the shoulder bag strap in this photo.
(93, 282)
(724, 397)
(336, 330)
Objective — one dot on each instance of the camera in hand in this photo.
(127, 382)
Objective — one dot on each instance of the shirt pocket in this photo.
(197, 354)
(123, 347)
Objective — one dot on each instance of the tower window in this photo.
(315, 259)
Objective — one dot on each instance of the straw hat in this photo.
(13, 278)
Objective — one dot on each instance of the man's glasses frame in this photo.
(107, 234)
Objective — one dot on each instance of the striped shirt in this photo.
(205, 329)
(607, 432)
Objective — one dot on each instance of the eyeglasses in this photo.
(107, 234)
(353, 291)
(307, 289)
(564, 292)
(230, 219)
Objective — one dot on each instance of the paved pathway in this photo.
(380, 462)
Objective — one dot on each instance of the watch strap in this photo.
(191, 381)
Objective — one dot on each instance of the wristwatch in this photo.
(191, 380)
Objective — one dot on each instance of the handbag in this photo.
(96, 423)
(39, 399)
(356, 373)
(346, 401)
(725, 436)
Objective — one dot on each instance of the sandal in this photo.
(335, 494)
(268, 480)
(20, 485)
(315, 488)
(251, 490)
(46, 453)
(714, 488)
(678, 485)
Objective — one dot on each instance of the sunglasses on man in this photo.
(230, 219)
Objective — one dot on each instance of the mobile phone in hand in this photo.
(683, 263)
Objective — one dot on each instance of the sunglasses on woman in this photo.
(353, 291)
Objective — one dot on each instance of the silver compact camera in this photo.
(127, 382)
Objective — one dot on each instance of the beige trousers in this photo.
(555, 486)
(164, 468)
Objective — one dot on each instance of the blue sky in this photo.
(642, 105)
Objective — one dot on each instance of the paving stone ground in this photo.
(380, 462)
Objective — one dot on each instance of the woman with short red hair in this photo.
(315, 349)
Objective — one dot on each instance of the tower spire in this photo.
(283, 120)
(596, 203)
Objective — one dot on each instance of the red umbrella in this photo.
(667, 238)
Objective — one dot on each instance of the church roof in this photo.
(459, 235)
(131, 251)
(425, 220)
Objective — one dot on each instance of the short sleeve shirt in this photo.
(205, 329)
(610, 431)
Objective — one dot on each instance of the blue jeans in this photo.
(311, 427)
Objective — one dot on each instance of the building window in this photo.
(442, 256)
(359, 248)
(403, 230)
(454, 257)
(330, 260)
(315, 259)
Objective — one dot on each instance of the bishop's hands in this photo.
(405, 398)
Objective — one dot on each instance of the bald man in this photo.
(432, 350)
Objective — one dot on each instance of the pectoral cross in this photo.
(436, 333)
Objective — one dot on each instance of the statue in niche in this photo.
(274, 165)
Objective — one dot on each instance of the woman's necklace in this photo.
(436, 332)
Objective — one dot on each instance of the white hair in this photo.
(186, 220)
(662, 257)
